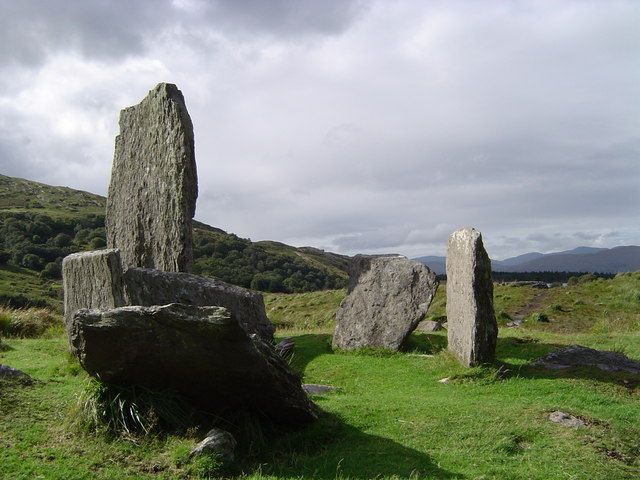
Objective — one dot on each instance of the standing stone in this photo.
(154, 186)
(472, 327)
(387, 296)
(92, 280)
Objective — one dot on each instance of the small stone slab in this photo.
(285, 347)
(316, 389)
(154, 186)
(92, 280)
(387, 297)
(472, 327)
(429, 326)
(566, 420)
(578, 356)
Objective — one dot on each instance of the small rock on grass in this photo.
(566, 420)
(7, 372)
(217, 442)
(315, 389)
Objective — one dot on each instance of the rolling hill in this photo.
(40, 224)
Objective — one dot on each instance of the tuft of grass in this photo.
(311, 311)
(29, 322)
(130, 411)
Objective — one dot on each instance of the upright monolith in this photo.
(472, 327)
(153, 189)
(387, 296)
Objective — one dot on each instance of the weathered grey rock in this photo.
(566, 420)
(317, 389)
(201, 353)
(387, 296)
(217, 442)
(472, 328)
(429, 326)
(579, 356)
(92, 280)
(285, 347)
(154, 186)
(152, 287)
(10, 373)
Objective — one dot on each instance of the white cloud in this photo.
(356, 129)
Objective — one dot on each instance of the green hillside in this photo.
(392, 415)
(41, 224)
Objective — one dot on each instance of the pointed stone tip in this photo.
(167, 90)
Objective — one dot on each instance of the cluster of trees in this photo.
(548, 277)
(39, 242)
(241, 262)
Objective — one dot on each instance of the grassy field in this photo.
(391, 416)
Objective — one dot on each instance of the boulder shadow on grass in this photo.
(330, 449)
(529, 350)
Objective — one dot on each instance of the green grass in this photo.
(390, 418)
(26, 285)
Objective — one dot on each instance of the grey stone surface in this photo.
(387, 296)
(579, 356)
(217, 442)
(92, 280)
(317, 389)
(285, 347)
(566, 420)
(201, 353)
(472, 329)
(152, 287)
(429, 326)
(154, 186)
(10, 373)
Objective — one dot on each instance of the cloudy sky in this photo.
(354, 126)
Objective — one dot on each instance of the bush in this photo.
(52, 270)
(29, 322)
(31, 261)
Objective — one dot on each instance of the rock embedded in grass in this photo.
(566, 420)
(577, 356)
(472, 327)
(154, 186)
(217, 442)
(387, 297)
(201, 353)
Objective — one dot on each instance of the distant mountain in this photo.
(580, 259)
(608, 260)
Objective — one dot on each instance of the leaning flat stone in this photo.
(576, 356)
(472, 329)
(154, 186)
(201, 353)
(152, 287)
(387, 297)
(429, 326)
(92, 280)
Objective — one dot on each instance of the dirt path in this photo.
(534, 304)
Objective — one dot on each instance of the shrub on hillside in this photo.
(29, 322)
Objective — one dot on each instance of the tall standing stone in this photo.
(387, 296)
(154, 186)
(472, 327)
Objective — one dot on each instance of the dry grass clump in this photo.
(28, 322)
